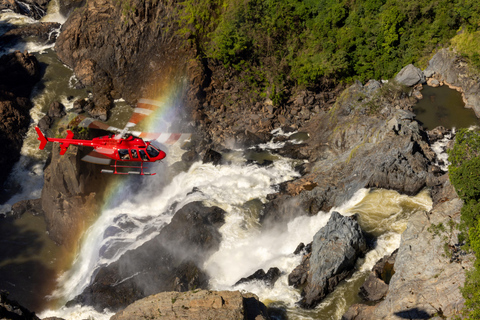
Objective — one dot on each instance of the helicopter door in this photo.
(143, 155)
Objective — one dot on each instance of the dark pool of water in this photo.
(443, 106)
(29, 261)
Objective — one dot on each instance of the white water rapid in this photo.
(238, 189)
(140, 210)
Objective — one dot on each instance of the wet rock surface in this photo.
(269, 277)
(197, 305)
(32, 8)
(179, 252)
(375, 287)
(426, 280)
(335, 250)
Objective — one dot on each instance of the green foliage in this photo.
(293, 42)
(468, 44)
(465, 176)
(471, 292)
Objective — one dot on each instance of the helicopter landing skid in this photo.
(141, 172)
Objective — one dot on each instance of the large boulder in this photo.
(335, 250)
(269, 278)
(410, 76)
(196, 305)
(180, 250)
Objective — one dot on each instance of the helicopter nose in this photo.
(161, 155)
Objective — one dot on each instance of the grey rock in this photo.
(428, 72)
(335, 250)
(372, 86)
(410, 76)
(374, 289)
(425, 279)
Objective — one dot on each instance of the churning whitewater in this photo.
(141, 208)
(240, 190)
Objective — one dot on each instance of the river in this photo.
(239, 188)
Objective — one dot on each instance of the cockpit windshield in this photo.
(152, 152)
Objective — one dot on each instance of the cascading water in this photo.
(239, 189)
(138, 211)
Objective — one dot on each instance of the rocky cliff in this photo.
(429, 268)
(18, 74)
(123, 50)
(368, 139)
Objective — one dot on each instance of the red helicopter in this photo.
(122, 147)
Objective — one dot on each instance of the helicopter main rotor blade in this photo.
(144, 108)
(166, 138)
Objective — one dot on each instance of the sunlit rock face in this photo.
(197, 304)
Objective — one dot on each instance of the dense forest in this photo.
(276, 45)
(465, 176)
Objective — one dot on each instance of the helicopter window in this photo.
(123, 153)
(134, 154)
(143, 155)
(152, 152)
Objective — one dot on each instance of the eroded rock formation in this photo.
(171, 261)
(362, 142)
(197, 305)
(335, 250)
(429, 268)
